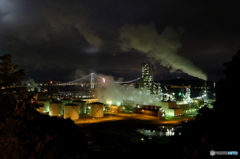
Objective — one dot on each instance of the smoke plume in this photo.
(159, 48)
(112, 91)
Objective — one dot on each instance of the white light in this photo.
(104, 80)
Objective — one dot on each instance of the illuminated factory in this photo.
(148, 80)
(147, 77)
(174, 101)
(149, 98)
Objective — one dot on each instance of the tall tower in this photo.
(92, 81)
(147, 77)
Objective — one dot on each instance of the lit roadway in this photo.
(137, 117)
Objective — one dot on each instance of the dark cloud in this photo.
(66, 39)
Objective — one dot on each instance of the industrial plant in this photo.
(141, 96)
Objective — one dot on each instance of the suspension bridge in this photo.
(94, 80)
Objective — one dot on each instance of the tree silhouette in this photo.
(24, 132)
(14, 106)
(227, 89)
(216, 129)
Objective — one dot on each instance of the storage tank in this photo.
(82, 106)
(112, 109)
(66, 101)
(45, 107)
(56, 109)
(96, 109)
(71, 111)
(121, 109)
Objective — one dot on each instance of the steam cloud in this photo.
(117, 93)
(159, 48)
(30, 82)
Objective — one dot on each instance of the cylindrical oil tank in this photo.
(113, 109)
(66, 101)
(56, 108)
(82, 106)
(121, 109)
(45, 103)
(96, 109)
(71, 111)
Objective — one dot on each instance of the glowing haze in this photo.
(159, 48)
(115, 93)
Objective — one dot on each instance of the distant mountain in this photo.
(184, 82)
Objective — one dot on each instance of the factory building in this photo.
(147, 77)
(148, 80)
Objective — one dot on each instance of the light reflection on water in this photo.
(162, 131)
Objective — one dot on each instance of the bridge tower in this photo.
(92, 81)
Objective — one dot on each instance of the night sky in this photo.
(68, 39)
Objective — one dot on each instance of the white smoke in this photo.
(159, 48)
(30, 84)
(112, 91)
